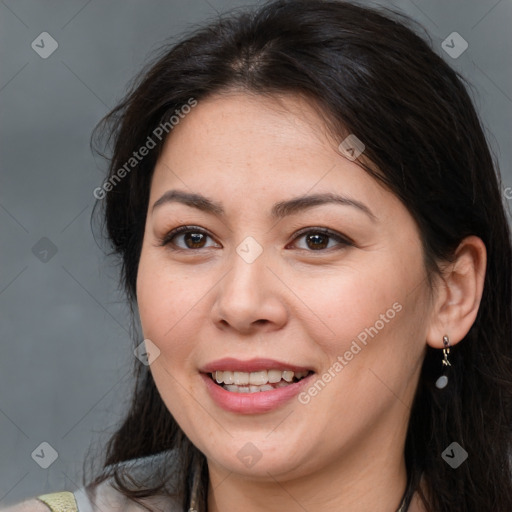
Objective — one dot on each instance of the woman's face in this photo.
(257, 290)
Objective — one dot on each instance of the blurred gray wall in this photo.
(65, 350)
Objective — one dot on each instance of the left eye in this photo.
(194, 238)
(318, 239)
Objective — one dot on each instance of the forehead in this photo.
(279, 140)
(242, 125)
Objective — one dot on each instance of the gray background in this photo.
(65, 346)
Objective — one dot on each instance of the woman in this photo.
(312, 233)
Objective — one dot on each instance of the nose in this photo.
(250, 298)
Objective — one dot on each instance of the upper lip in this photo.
(251, 365)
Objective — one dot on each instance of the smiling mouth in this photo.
(255, 382)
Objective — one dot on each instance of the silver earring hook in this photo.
(446, 350)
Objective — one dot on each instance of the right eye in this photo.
(193, 238)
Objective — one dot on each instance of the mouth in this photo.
(254, 386)
(257, 382)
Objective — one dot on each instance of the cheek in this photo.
(157, 300)
(349, 304)
(374, 319)
(169, 304)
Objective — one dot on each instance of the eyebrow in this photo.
(279, 210)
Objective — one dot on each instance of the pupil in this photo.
(195, 238)
(317, 237)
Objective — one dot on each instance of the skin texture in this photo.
(297, 303)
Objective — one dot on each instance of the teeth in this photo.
(252, 389)
(288, 376)
(227, 377)
(260, 379)
(241, 378)
(274, 376)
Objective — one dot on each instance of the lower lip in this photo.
(253, 403)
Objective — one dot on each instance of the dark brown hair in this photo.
(370, 74)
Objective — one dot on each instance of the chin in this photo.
(256, 455)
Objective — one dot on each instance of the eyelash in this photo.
(167, 239)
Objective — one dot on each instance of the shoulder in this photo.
(32, 505)
(106, 498)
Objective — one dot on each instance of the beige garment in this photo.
(60, 501)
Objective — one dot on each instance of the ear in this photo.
(458, 293)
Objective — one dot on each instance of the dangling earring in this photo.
(442, 381)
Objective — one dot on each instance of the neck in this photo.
(362, 481)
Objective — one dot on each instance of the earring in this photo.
(442, 381)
